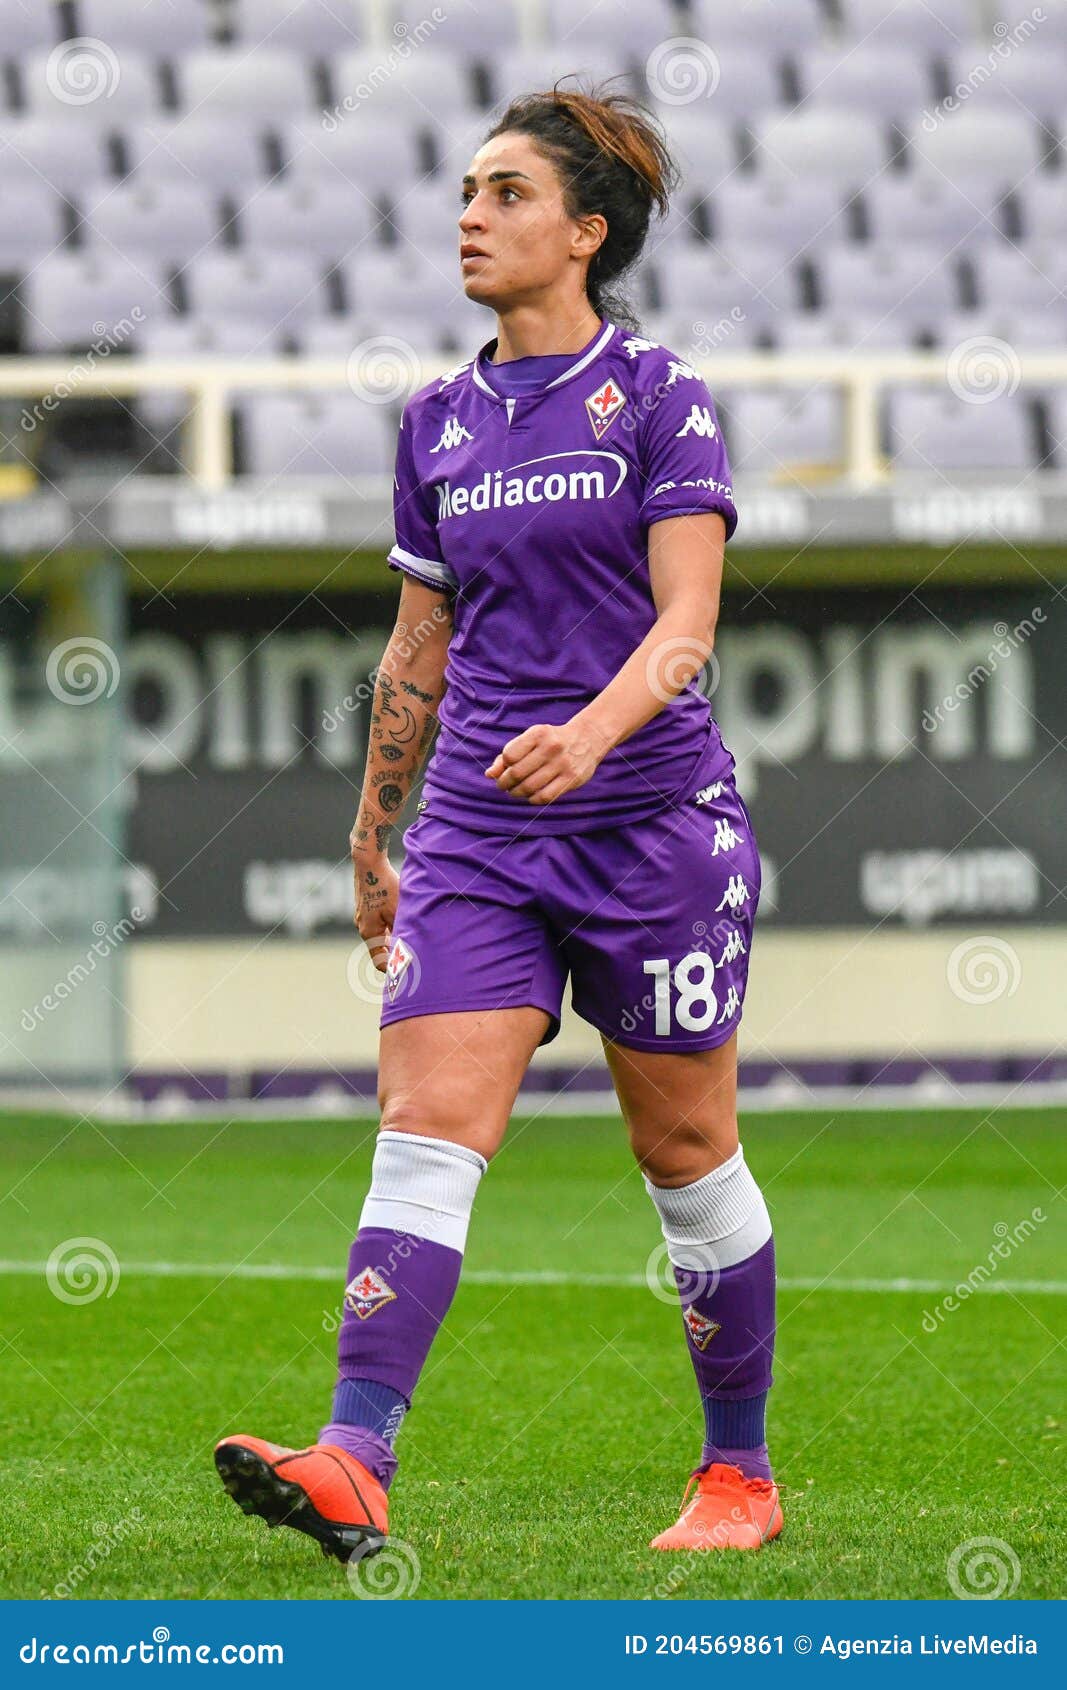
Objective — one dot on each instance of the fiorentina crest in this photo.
(367, 1293)
(700, 1328)
(604, 406)
(396, 967)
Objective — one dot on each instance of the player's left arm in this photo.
(685, 560)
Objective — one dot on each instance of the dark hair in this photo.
(612, 159)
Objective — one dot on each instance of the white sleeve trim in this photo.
(432, 568)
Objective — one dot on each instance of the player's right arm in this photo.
(408, 688)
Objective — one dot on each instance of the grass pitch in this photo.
(557, 1420)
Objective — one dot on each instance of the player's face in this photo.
(515, 237)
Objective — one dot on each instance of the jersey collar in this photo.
(568, 374)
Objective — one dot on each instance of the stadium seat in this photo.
(1035, 330)
(939, 27)
(22, 27)
(335, 434)
(325, 223)
(920, 205)
(525, 70)
(270, 84)
(272, 290)
(637, 27)
(743, 84)
(999, 145)
(388, 285)
(715, 282)
(425, 218)
(816, 331)
(74, 299)
(371, 156)
(317, 27)
(1032, 77)
(777, 432)
(42, 150)
(218, 152)
(1057, 428)
(177, 339)
(429, 83)
(703, 144)
(767, 25)
(830, 146)
(468, 25)
(33, 223)
(936, 430)
(158, 29)
(792, 216)
(90, 88)
(168, 221)
(1033, 280)
(1042, 206)
(882, 81)
(916, 285)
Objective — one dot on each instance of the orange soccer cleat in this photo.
(321, 1490)
(727, 1512)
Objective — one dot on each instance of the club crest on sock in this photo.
(700, 1328)
(367, 1293)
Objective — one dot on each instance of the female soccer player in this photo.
(561, 505)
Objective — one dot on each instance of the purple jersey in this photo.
(526, 491)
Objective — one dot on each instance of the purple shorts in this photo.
(652, 921)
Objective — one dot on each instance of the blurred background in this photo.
(227, 256)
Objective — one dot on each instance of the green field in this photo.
(556, 1422)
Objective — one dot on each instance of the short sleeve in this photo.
(417, 551)
(683, 457)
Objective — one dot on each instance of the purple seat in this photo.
(934, 430)
(32, 225)
(74, 299)
(274, 290)
(213, 151)
(334, 434)
(324, 222)
(60, 153)
(269, 84)
(167, 221)
(91, 83)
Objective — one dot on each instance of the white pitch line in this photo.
(489, 1276)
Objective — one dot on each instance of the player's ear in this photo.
(590, 235)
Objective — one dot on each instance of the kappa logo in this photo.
(454, 434)
(733, 948)
(367, 1293)
(635, 344)
(736, 895)
(725, 837)
(397, 966)
(730, 1007)
(697, 422)
(677, 371)
(700, 1328)
(453, 375)
(603, 406)
(708, 794)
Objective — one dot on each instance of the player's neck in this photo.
(531, 332)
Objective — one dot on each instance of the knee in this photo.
(432, 1117)
(681, 1153)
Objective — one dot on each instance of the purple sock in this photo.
(729, 1327)
(398, 1292)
